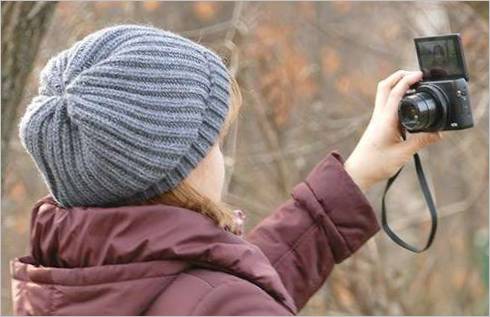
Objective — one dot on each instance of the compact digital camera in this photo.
(441, 100)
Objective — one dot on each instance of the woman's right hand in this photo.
(381, 151)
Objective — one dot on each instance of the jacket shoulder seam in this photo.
(200, 279)
(223, 285)
(238, 279)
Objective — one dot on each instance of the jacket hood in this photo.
(87, 261)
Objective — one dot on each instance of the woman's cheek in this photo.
(220, 178)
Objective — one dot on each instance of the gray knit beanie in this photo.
(124, 115)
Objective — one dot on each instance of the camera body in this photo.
(441, 100)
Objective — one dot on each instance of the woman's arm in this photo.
(328, 217)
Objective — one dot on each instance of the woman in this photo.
(439, 56)
(125, 132)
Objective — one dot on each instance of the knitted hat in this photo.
(124, 115)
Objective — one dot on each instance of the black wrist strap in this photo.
(428, 199)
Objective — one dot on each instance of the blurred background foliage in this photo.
(308, 73)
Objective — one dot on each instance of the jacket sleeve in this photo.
(238, 299)
(327, 219)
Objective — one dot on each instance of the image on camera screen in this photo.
(440, 58)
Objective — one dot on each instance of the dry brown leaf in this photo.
(18, 192)
(330, 61)
(343, 85)
(151, 5)
(205, 11)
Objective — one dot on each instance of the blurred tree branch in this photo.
(480, 7)
(23, 27)
(284, 169)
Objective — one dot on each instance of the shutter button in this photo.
(460, 93)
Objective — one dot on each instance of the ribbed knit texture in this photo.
(123, 115)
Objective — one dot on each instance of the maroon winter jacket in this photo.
(163, 260)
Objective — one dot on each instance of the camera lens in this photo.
(418, 111)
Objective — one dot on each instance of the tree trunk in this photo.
(23, 27)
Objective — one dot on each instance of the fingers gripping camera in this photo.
(441, 101)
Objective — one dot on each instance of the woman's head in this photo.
(439, 54)
(125, 115)
(209, 175)
(201, 190)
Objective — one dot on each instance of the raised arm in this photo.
(328, 217)
(326, 220)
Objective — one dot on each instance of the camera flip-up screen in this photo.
(441, 57)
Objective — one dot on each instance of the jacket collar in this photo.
(89, 236)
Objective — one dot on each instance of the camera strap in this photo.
(428, 199)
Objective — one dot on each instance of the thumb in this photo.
(418, 141)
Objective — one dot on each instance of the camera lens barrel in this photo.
(424, 110)
(418, 111)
